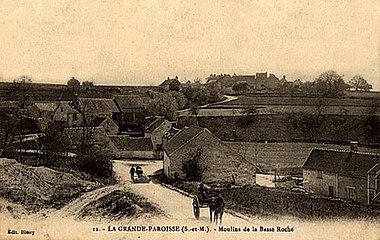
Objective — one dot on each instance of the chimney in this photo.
(168, 78)
(176, 77)
(354, 146)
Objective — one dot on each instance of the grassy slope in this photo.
(292, 128)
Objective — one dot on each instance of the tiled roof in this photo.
(46, 106)
(9, 104)
(53, 106)
(181, 138)
(129, 101)
(169, 81)
(95, 122)
(68, 106)
(345, 163)
(125, 143)
(153, 123)
(98, 105)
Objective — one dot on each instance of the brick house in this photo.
(135, 148)
(221, 162)
(343, 174)
(155, 129)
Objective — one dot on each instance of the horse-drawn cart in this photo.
(141, 179)
(197, 205)
(200, 201)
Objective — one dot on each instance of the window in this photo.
(371, 195)
(319, 174)
(350, 193)
(331, 191)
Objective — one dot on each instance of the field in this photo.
(270, 156)
(291, 128)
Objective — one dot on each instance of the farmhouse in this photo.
(170, 84)
(155, 129)
(343, 174)
(220, 162)
(132, 108)
(136, 148)
(47, 112)
(257, 82)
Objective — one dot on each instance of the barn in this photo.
(221, 163)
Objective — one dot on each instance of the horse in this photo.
(216, 206)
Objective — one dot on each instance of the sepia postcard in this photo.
(212, 119)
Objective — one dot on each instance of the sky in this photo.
(142, 42)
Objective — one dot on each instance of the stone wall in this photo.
(222, 164)
(340, 183)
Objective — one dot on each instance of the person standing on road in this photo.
(132, 172)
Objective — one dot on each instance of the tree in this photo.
(359, 83)
(8, 134)
(24, 79)
(240, 87)
(175, 85)
(193, 168)
(73, 84)
(372, 123)
(21, 88)
(87, 85)
(55, 144)
(163, 105)
(180, 99)
(320, 108)
(330, 84)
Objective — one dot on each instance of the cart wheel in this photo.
(196, 208)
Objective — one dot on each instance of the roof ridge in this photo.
(196, 135)
(98, 98)
(376, 165)
(347, 151)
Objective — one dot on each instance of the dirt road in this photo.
(177, 206)
(63, 224)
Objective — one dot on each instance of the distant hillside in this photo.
(292, 128)
(53, 92)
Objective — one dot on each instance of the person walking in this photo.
(132, 172)
(139, 171)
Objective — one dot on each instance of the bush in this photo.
(193, 168)
(98, 165)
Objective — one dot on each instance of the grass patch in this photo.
(261, 201)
